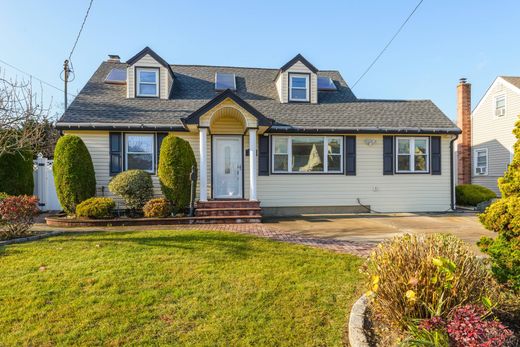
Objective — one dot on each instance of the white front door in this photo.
(227, 167)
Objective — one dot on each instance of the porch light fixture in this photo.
(370, 142)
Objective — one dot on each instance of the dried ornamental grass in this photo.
(421, 276)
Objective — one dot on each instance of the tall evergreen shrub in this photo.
(16, 173)
(73, 172)
(175, 164)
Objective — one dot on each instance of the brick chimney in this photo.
(464, 123)
(113, 58)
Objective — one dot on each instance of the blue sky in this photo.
(445, 40)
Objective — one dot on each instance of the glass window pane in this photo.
(147, 76)
(500, 102)
(403, 146)
(281, 162)
(280, 144)
(147, 89)
(420, 146)
(307, 154)
(299, 82)
(334, 163)
(299, 94)
(139, 143)
(420, 163)
(403, 163)
(139, 161)
(334, 145)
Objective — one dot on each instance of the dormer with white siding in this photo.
(297, 81)
(148, 76)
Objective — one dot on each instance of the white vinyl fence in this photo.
(44, 187)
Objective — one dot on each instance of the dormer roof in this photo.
(299, 58)
(150, 52)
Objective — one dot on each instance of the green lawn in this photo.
(173, 288)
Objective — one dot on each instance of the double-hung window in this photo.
(500, 105)
(139, 152)
(481, 161)
(412, 154)
(307, 154)
(298, 87)
(147, 83)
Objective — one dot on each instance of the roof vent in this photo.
(326, 83)
(114, 58)
(225, 81)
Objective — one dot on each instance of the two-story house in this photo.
(489, 132)
(295, 138)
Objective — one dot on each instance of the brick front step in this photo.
(237, 211)
(226, 204)
(228, 219)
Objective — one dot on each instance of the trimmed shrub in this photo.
(16, 173)
(473, 194)
(96, 208)
(158, 208)
(503, 217)
(175, 163)
(134, 186)
(17, 215)
(421, 276)
(73, 172)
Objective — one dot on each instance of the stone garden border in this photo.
(356, 330)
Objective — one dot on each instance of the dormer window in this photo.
(147, 81)
(299, 87)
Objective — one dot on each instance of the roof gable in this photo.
(149, 51)
(301, 59)
(509, 82)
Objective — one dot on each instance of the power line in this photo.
(32, 76)
(388, 44)
(80, 29)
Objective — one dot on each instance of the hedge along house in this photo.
(295, 138)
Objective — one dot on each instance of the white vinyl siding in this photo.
(392, 193)
(495, 133)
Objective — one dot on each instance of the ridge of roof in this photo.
(149, 51)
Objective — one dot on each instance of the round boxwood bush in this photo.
(16, 173)
(158, 208)
(73, 172)
(134, 186)
(473, 194)
(175, 164)
(96, 208)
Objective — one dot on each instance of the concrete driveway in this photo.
(378, 227)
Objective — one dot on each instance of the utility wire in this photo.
(388, 44)
(32, 76)
(80, 29)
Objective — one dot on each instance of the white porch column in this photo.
(203, 158)
(253, 170)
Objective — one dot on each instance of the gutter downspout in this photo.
(452, 179)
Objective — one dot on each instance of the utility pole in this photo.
(66, 72)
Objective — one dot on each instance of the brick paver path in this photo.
(358, 248)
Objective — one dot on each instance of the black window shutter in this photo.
(263, 156)
(116, 153)
(350, 155)
(436, 155)
(160, 138)
(388, 155)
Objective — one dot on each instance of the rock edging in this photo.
(356, 331)
(30, 238)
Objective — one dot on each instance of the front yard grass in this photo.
(173, 288)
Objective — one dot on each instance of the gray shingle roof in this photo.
(514, 80)
(99, 102)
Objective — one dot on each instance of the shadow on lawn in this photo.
(237, 245)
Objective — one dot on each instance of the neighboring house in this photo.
(490, 130)
(295, 138)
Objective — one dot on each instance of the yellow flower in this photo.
(437, 262)
(411, 296)
(375, 279)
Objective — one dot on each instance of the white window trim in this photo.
(325, 156)
(412, 155)
(307, 88)
(138, 81)
(152, 171)
(495, 105)
(475, 161)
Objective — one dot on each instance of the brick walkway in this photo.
(257, 229)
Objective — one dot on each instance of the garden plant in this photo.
(17, 215)
(134, 186)
(16, 173)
